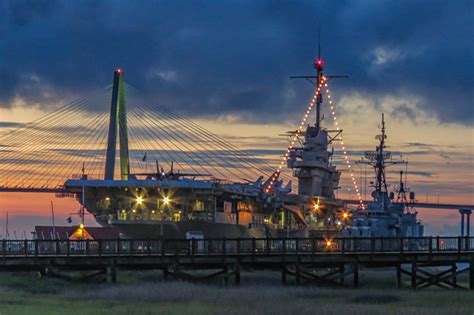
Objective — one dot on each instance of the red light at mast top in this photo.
(318, 64)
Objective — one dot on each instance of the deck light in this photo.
(139, 200)
(316, 205)
(166, 200)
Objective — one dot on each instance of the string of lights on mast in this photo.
(343, 147)
(321, 85)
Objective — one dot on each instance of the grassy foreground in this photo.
(259, 293)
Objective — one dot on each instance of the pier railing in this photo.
(238, 246)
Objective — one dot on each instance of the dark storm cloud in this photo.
(214, 58)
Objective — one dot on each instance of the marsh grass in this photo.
(259, 293)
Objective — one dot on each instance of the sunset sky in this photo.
(226, 65)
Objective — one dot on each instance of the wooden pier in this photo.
(308, 260)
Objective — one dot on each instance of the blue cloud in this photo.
(208, 57)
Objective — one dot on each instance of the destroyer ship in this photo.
(382, 216)
(185, 205)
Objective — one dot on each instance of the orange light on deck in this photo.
(316, 206)
(328, 243)
(345, 215)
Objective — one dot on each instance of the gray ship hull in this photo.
(182, 230)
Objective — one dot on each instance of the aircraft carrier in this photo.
(172, 204)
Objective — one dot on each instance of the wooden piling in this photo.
(399, 276)
(413, 276)
(355, 271)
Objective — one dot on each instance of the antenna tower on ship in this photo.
(380, 159)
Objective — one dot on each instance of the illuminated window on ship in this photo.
(199, 205)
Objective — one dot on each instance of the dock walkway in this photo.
(308, 260)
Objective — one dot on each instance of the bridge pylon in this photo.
(118, 119)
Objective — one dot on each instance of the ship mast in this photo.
(380, 159)
(318, 65)
(316, 80)
(381, 183)
(311, 161)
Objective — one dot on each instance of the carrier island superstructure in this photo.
(172, 204)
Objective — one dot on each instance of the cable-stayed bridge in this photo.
(79, 139)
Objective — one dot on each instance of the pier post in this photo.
(453, 270)
(237, 274)
(399, 276)
(112, 271)
(226, 275)
(471, 275)
(413, 276)
(462, 222)
(355, 271)
(341, 274)
(297, 273)
(283, 275)
(468, 224)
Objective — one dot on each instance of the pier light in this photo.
(166, 200)
(139, 200)
(107, 198)
(80, 230)
(328, 243)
